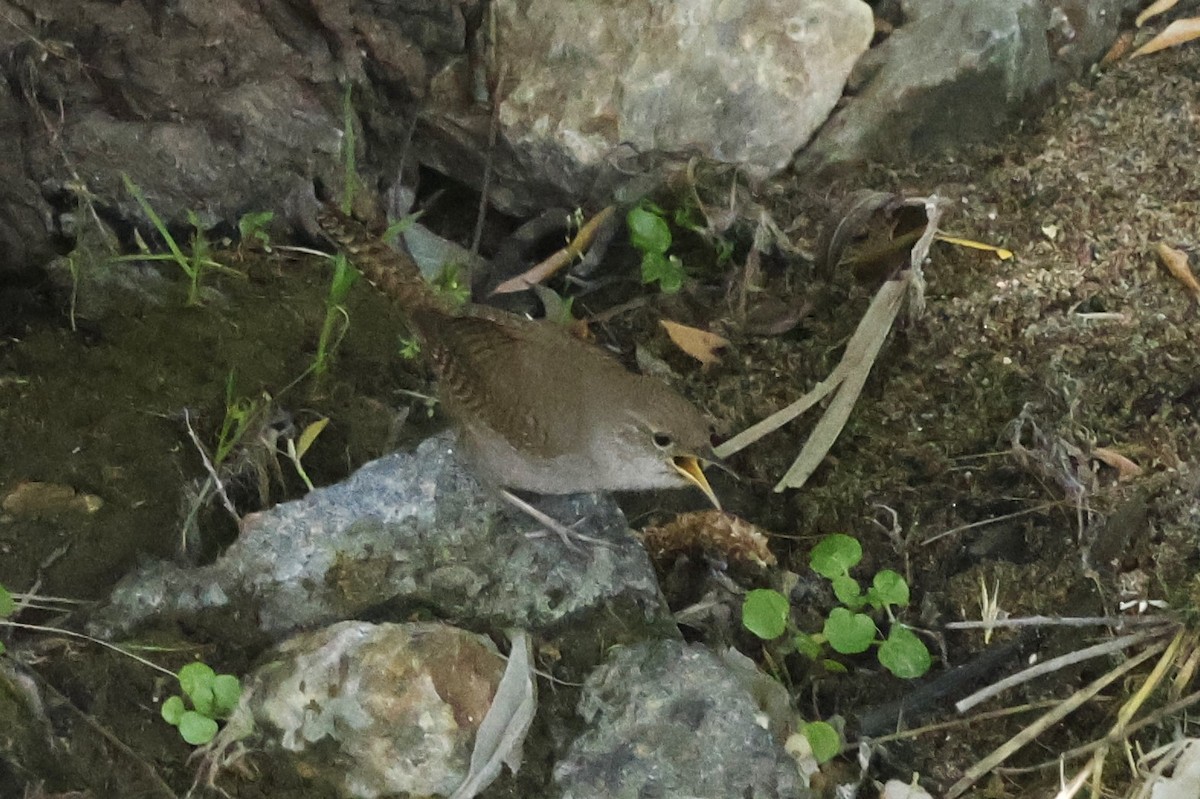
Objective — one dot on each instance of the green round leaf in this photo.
(823, 739)
(807, 645)
(849, 633)
(227, 690)
(7, 606)
(835, 555)
(848, 592)
(195, 676)
(765, 613)
(666, 271)
(904, 654)
(648, 231)
(889, 588)
(197, 729)
(172, 710)
(203, 701)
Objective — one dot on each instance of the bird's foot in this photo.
(568, 536)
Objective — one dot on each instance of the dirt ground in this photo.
(981, 450)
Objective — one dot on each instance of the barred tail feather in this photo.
(392, 272)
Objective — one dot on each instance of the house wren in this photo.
(537, 409)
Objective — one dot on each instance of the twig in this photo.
(992, 520)
(1154, 718)
(949, 725)
(212, 472)
(486, 185)
(72, 634)
(1063, 621)
(1054, 664)
(1066, 707)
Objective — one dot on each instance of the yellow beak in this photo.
(689, 467)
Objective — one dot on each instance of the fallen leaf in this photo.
(1153, 10)
(1175, 34)
(310, 435)
(1126, 469)
(700, 344)
(1176, 262)
(1001, 253)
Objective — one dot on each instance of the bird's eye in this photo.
(662, 440)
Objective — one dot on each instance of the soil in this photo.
(978, 453)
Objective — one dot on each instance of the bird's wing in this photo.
(485, 364)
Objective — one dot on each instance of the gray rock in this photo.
(672, 720)
(956, 71)
(602, 89)
(410, 530)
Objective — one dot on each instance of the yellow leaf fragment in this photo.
(700, 344)
(1126, 469)
(310, 435)
(1001, 253)
(1175, 34)
(1176, 262)
(1153, 10)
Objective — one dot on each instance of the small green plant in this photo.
(410, 347)
(343, 278)
(193, 265)
(212, 697)
(847, 630)
(240, 415)
(252, 229)
(651, 235)
(450, 284)
(823, 739)
(7, 606)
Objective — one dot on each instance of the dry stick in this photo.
(1062, 621)
(950, 725)
(563, 257)
(1054, 664)
(208, 465)
(1154, 718)
(992, 520)
(72, 634)
(1127, 711)
(486, 186)
(1068, 705)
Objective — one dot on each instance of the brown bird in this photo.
(536, 408)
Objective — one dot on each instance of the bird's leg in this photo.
(568, 536)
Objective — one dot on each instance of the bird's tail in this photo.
(394, 273)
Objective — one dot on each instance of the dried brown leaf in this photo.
(1126, 468)
(1176, 262)
(1120, 47)
(700, 344)
(1178, 32)
(712, 531)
